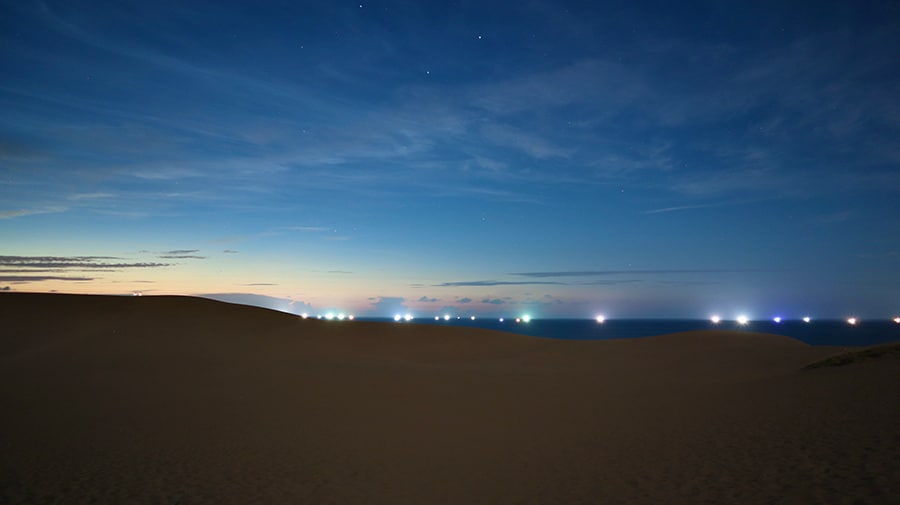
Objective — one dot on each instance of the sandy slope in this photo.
(180, 400)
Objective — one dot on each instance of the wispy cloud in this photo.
(389, 305)
(682, 207)
(311, 229)
(91, 196)
(535, 146)
(529, 112)
(608, 282)
(835, 217)
(491, 283)
(74, 262)
(600, 273)
(40, 278)
(23, 268)
(11, 214)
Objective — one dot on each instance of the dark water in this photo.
(822, 332)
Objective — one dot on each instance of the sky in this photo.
(562, 159)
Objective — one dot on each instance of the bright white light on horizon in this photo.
(501, 319)
(304, 315)
(341, 317)
(777, 319)
(351, 317)
(807, 319)
(742, 320)
(397, 317)
(600, 319)
(408, 317)
(715, 319)
(852, 321)
(329, 316)
(473, 318)
(897, 320)
(446, 317)
(526, 318)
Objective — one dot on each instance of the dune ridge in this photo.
(187, 400)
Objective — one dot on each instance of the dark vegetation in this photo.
(848, 358)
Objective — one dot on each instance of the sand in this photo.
(182, 400)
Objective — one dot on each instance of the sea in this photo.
(815, 332)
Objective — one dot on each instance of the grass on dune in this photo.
(848, 358)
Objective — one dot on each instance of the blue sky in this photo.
(491, 158)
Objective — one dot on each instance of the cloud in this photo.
(304, 228)
(682, 207)
(494, 301)
(532, 145)
(229, 251)
(687, 283)
(18, 150)
(73, 262)
(491, 283)
(178, 252)
(608, 282)
(389, 305)
(23, 268)
(597, 273)
(426, 299)
(613, 93)
(90, 196)
(11, 214)
(835, 217)
(181, 257)
(464, 300)
(5, 288)
(448, 310)
(40, 278)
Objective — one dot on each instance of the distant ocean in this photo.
(821, 332)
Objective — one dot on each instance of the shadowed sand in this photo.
(181, 400)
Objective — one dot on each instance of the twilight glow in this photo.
(478, 159)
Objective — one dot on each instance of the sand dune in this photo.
(184, 400)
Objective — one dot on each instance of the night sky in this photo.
(667, 159)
